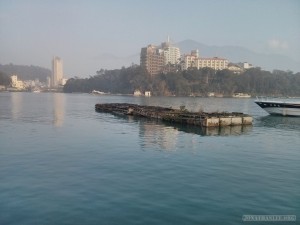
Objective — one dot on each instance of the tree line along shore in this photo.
(192, 82)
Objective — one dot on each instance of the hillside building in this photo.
(15, 83)
(157, 59)
(171, 53)
(193, 60)
(152, 59)
(190, 60)
(235, 68)
(239, 67)
(215, 63)
(246, 65)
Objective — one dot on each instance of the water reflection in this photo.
(16, 107)
(280, 122)
(59, 108)
(212, 131)
(155, 133)
(165, 134)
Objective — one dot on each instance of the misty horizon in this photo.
(90, 35)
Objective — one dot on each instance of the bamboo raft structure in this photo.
(179, 116)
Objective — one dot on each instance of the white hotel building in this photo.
(171, 53)
(194, 61)
(15, 83)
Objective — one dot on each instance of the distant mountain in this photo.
(240, 54)
(26, 72)
(110, 61)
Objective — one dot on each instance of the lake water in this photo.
(63, 163)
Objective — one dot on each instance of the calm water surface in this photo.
(63, 163)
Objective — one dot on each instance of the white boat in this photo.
(280, 106)
(241, 95)
(98, 92)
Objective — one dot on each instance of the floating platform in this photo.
(179, 116)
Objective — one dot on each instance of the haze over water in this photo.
(90, 35)
(63, 163)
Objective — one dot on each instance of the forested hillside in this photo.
(4, 79)
(190, 82)
(26, 72)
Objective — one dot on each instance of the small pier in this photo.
(179, 116)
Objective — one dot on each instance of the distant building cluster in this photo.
(19, 85)
(167, 58)
(56, 80)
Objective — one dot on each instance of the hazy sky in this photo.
(82, 32)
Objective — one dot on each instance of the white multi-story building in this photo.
(190, 60)
(57, 72)
(214, 63)
(171, 53)
(15, 83)
(194, 61)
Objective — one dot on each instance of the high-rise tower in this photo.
(152, 59)
(57, 72)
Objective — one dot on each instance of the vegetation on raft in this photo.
(181, 116)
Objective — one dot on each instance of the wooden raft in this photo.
(181, 116)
